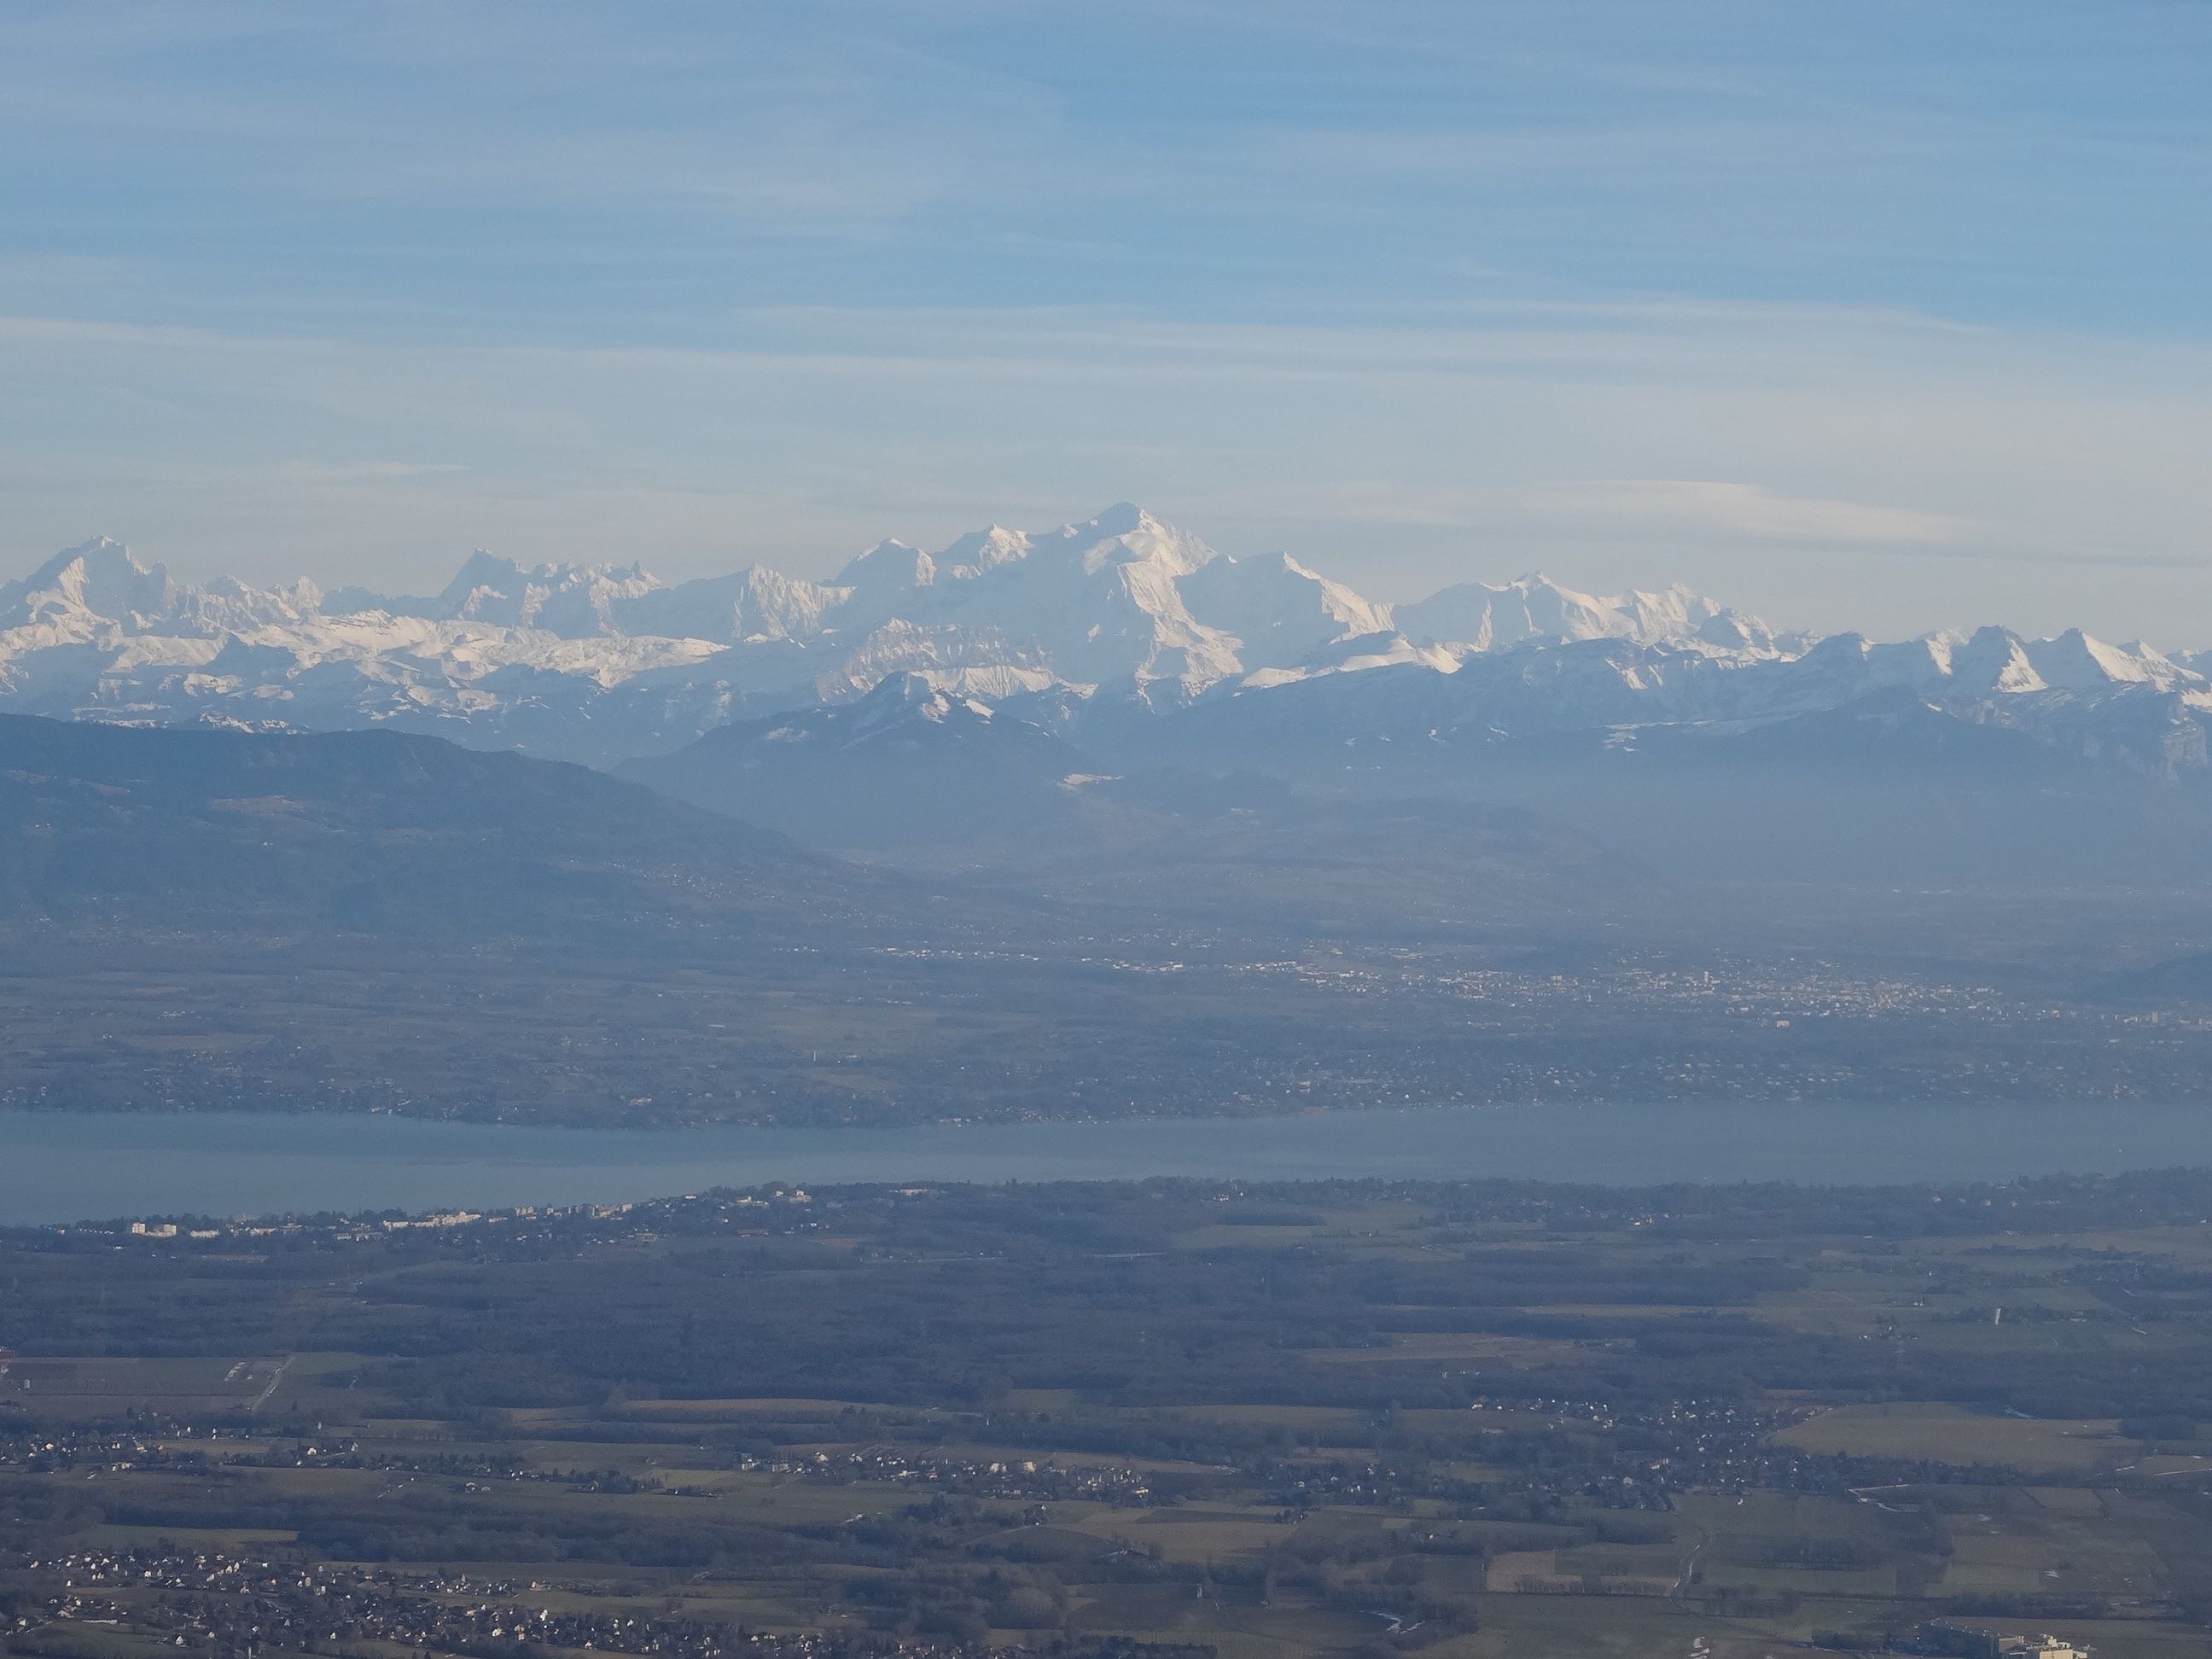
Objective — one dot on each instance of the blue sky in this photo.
(1880, 315)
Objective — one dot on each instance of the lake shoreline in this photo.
(63, 1166)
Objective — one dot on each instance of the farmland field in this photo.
(1503, 1421)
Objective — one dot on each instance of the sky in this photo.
(1885, 316)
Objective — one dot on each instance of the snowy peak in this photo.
(1676, 613)
(484, 579)
(1123, 534)
(766, 604)
(1478, 616)
(1126, 534)
(1278, 611)
(908, 764)
(1997, 662)
(890, 565)
(1099, 600)
(574, 601)
(906, 697)
(1354, 653)
(983, 550)
(1121, 611)
(1991, 661)
(226, 605)
(754, 603)
(97, 580)
(969, 662)
(883, 583)
(2074, 662)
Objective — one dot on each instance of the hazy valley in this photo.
(1087, 823)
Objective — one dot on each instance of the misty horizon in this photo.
(1480, 570)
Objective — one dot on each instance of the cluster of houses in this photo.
(1968, 1643)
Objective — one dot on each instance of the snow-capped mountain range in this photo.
(1098, 632)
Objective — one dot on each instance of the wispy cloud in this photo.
(1762, 451)
(1421, 290)
(1636, 507)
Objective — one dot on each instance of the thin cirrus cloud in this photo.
(1890, 317)
(1630, 506)
(1762, 454)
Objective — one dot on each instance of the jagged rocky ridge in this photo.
(1123, 636)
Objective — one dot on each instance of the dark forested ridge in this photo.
(379, 832)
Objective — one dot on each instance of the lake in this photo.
(75, 1166)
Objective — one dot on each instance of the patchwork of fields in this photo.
(1482, 1420)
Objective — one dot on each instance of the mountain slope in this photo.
(1477, 616)
(2145, 717)
(220, 830)
(913, 777)
(906, 767)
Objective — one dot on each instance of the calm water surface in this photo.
(66, 1167)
